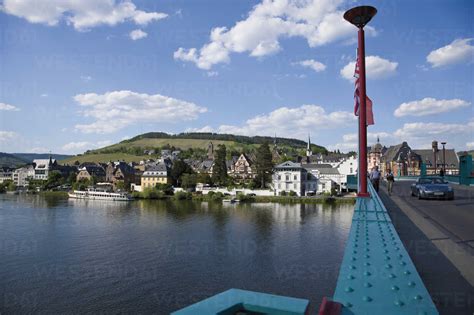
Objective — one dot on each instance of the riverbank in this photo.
(248, 199)
(218, 197)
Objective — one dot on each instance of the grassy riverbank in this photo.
(245, 198)
(54, 194)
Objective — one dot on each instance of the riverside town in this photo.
(287, 157)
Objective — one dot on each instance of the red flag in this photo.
(370, 113)
(356, 91)
(368, 101)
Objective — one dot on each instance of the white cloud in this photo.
(137, 34)
(320, 22)
(8, 107)
(7, 135)
(86, 78)
(83, 15)
(418, 135)
(375, 67)
(116, 110)
(457, 52)
(38, 150)
(77, 146)
(293, 122)
(203, 129)
(44, 95)
(312, 64)
(212, 74)
(429, 130)
(350, 141)
(429, 106)
(82, 146)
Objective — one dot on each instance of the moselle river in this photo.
(70, 256)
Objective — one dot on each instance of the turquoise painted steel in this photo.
(352, 182)
(234, 300)
(423, 169)
(465, 170)
(377, 275)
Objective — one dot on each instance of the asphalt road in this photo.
(454, 217)
(438, 238)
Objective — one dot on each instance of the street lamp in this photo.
(434, 145)
(360, 16)
(444, 158)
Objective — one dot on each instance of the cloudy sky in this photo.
(78, 75)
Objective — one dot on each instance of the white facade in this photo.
(290, 176)
(5, 174)
(348, 167)
(42, 168)
(22, 175)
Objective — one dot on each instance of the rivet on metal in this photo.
(411, 284)
(395, 288)
(349, 289)
(350, 277)
(392, 276)
(367, 298)
(407, 272)
(367, 273)
(388, 266)
(399, 303)
(367, 285)
(417, 297)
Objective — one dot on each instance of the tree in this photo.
(188, 181)
(204, 178)
(55, 179)
(179, 168)
(219, 170)
(264, 165)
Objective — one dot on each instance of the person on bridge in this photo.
(390, 180)
(375, 178)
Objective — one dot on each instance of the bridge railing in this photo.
(377, 275)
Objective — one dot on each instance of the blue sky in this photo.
(78, 75)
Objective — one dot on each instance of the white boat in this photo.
(99, 194)
(233, 200)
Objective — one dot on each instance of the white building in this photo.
(289, 176)
(43, 167)
(347, 167)
(5, 174)
(22, 175)
(328, 177)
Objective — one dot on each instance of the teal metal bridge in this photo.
(376, 276)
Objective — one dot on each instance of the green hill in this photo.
(9, 160)
(29, 157)
(133, 149)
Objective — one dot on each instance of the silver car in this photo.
(432, 187)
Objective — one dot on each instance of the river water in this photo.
(70, 256)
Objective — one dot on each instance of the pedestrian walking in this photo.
(390, 180)
(375, 178)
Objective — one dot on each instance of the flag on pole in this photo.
(368, 101)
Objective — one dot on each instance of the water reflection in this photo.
(126, 252)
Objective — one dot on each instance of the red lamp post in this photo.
(360, 16)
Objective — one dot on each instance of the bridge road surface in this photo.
(439, 236)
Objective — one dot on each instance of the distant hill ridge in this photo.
(9, 160)
(220, 137)
(18, 159)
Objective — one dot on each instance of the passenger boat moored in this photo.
(99, 194)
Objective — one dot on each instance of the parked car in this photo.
(432, 187)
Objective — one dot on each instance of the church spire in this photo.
(308, 148)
